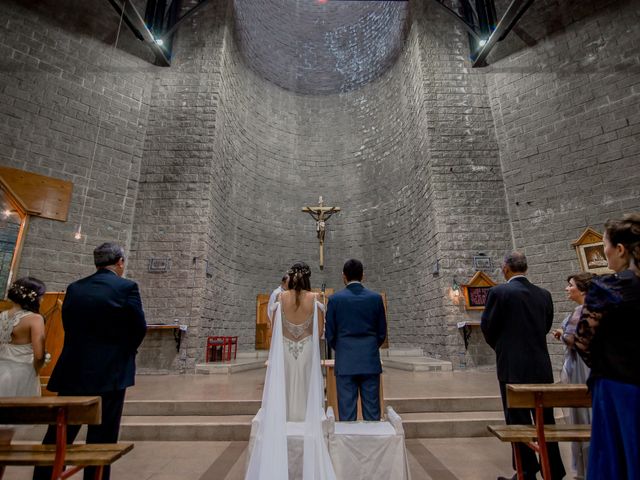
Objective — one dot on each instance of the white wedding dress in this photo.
(18, 378)
(294, 393)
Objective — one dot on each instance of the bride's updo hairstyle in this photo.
(626, 231)
(299, 275)
(27, 292)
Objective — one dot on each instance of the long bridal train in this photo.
(358, 450)
(318, 448)
(271, 455)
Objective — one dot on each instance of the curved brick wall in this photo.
(368, 151)
(313, 47)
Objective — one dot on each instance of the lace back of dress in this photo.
(7, 324)
(297, 332)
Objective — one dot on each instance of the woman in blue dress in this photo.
(607, 338)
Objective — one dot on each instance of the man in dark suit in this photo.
(103, 326)
(355, 327)
(516, 319)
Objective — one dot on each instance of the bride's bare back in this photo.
(299, 314)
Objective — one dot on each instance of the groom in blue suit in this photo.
(355, 328)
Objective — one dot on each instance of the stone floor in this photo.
(431, 459)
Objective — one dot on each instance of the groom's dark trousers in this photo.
(355, 328)
(103, 325)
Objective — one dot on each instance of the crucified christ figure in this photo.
(321, 214)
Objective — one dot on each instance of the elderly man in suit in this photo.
(516, 319)
(103, 326)
(355, 328)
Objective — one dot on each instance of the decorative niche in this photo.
(475, 292)
(590, 251)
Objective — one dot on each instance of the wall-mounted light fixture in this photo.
(455, 292)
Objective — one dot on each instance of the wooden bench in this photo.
(539, 397)
(60, 411)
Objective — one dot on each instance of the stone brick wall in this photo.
(567, 117)
(468, 206)
(178, 183)
(209, 162)
(62, 86)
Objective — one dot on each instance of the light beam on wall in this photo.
(78, 233)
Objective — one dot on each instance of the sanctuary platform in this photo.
(196, 427)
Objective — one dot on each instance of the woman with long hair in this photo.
(22, 335)
(608, 341)
(293, 390)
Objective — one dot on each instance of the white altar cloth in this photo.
(358, 450)
(368, 450)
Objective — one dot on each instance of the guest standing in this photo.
(607, 338)
(103, 326)
(517, 317)
(574, 370)
(356, 327)
(22, 340)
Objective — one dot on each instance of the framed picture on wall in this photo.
(476, 291)
(590, 250)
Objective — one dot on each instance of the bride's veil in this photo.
(269, 459)
(317, 464)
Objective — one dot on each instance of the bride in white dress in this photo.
(293, 390)
(22, 336)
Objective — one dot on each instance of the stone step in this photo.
(416, 364)
(238, 427)
(190, 407)
(250, 407)
(240, 364)
(450, 425)
(401, 352)
(445, 404)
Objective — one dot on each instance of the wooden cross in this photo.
(321, 214)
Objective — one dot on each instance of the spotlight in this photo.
(78, 234)
(482, 42)
(6, 213)
(159, 41)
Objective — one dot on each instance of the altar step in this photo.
(231, 420)
(243, 362)
(408, 359)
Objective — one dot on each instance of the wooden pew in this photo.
(60, 411)
(539, 397)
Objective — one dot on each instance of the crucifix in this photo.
(321, 214)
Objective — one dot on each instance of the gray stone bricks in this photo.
(209, 162)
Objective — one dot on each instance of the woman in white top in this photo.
(22, 340)
(293, 390)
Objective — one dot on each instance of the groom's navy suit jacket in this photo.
(355, 328)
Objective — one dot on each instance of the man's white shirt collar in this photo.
(516, 276)
(354, 281)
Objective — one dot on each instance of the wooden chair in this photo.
(216, 349)
(539, 397)
(61, 411)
